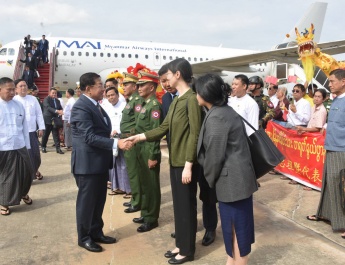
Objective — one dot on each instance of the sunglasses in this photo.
(295, 91)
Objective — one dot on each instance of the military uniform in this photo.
(266, 109)
(127, 127)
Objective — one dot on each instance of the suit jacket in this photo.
(28, 76)
(224, 154)
(166, 102)
(31, 63)
(49, 109)
(92, 147)
(43, 46)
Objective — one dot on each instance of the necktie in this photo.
(55, 103)
(100, 110)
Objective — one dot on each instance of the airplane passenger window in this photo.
(157, 57)
(72, 53)
(164, 57)
(115, 55)
(200, 59)
(87, 53)
(101, 54)
(189, 59)
(3, 51)
(79, 53)
(146, 56)
(129, 55)
(206, 59)
(11, 51)
(64, 53)
(170, 58)
(122, 55)
(94, 54)
(195, 59)
(137, 56)
(108, 54)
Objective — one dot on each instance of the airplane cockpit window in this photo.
(101, 54)
(72, 53)
(79, 53)
(64, 53)
(87, 53)
(94, 54)
(146, 56)
(3, 51)
(11, 51)
(136, 56)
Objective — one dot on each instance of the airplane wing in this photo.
(283, 55)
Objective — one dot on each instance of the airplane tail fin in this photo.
(316, 15)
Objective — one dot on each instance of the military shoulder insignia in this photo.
(136, 98)
(137, 108)
(147, 101)
(154, 103)
(143, 110)
(156, 114)
(128, 106)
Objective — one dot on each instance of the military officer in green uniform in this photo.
(266, 107)
(148, 153)
(127, 127)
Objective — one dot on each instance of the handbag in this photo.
(57, 122)
(265, 155)
(342, 187)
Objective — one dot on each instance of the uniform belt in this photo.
(126, 135)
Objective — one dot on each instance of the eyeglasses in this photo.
(295, 91)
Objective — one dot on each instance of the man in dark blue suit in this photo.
(28, 76)
(43, 46)
(92, 157)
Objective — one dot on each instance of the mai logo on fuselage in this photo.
(79, 45)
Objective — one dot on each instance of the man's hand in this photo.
(299, 130)
(60, 112)
(40, 133)
(187, 173)
(124, 144)
(134, 139)
(293, 108)
(152, 163)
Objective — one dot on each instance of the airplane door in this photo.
(156, 59)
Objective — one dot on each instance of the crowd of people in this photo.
(115, 144)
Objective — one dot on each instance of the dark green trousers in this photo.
(150, 184)
(133, 175)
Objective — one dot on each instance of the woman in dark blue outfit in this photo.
(224, 153)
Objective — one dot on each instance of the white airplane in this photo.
(72, 57)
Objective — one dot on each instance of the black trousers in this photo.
(91, 198)
(50, 128)
(209, 201)
(185, 212)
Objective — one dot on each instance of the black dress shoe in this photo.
(208, 238)
(138, 220)
(145, 227)
(173, 260)
(173, 235)
(169, 254)
(91, 246)
(127, 204)
(44, 150)
(59, 151)
(105, 240)
(132, 209)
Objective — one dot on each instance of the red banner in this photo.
(304, 154)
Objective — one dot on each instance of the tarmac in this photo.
(45, 232)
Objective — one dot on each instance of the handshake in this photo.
(128, 143)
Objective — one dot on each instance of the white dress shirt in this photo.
(33, 112)
(302, 115)
(67, 110)
(274, 100)
(14, 132)
(248, 109)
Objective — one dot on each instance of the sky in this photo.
(246, 24)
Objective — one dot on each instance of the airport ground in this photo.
(45, 232)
